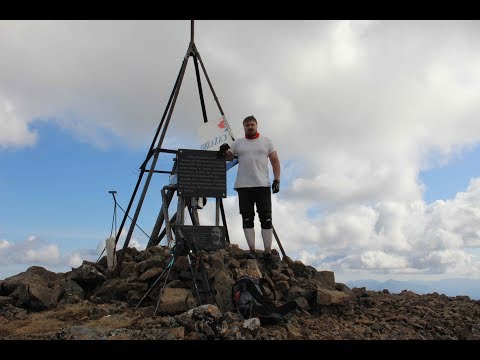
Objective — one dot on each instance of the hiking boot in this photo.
(251, 255)
(270, 261)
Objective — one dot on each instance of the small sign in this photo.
(201, 173)
(208, 238)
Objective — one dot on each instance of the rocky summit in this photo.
(158, 296)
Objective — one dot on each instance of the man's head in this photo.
(250, 125)
(217, 233)
(216, 236)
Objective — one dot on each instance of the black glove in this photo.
(223, 148)
(276, 186)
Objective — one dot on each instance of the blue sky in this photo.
(375, 123)
(443, 182)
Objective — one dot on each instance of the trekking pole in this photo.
(200, 264)
(161, 292)
(188, 245)
(169, 267)
(278, 242)
(194, 279)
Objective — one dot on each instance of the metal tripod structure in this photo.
(168, 191)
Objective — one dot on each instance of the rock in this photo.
(89, 303)
(176, 300)
(331, 297)
(252, 324)
(33, 275)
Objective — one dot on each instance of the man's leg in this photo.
(264, 209)
(250, 237)
(246, 205)
(267, 236)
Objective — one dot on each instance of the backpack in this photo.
(251, 300)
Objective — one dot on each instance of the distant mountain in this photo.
(449, 287)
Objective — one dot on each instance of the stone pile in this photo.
(153, 297)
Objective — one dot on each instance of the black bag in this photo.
(250, 298)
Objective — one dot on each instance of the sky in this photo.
(375, 124)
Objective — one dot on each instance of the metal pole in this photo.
(181, 210)
(135, 216)
(191, 30)
(138, 226)
(172, 221)
(113, 192)
(278, 242)
(149, 154)
(154, 161)
(217, 211)
(213, 92)
(154, 238)
(200, 91)
(195, 216)
(224, 220)
(168, 229)
(161, 217)
(114, 221)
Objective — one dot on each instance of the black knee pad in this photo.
(248, 220)
(265, 219)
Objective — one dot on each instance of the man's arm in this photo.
(275, 165)
(229, 155)
(225, 151)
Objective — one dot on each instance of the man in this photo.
(217, 242)
(253, 184)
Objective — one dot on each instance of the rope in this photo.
(135, 223)
(115, 220)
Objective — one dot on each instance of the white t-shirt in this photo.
(252, 161)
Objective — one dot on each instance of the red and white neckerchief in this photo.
(257, 134)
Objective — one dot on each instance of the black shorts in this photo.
(247, 197)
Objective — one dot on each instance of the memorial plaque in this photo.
(201, 173)
(208, 238)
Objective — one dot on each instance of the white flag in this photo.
(212, 134)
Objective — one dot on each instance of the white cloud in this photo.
(35, 250)
(134, 243)
(356, 110)
(32, 250)
(14, 130)
(43, 254)
(75, 260)
(344, 51)
(405, 237)
(381, 260)
(4, 244)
